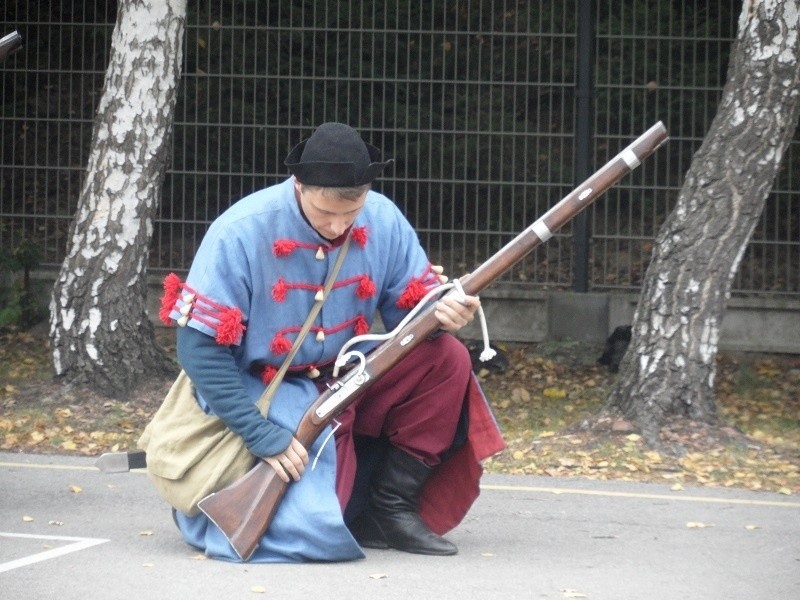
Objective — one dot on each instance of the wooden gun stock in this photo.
(9, 43)
(244, 509)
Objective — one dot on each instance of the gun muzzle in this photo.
(10, 43)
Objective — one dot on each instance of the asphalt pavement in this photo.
(68, 531)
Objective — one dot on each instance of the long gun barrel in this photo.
(244, 509)
(9, 43)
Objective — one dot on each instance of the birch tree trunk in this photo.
(100, 332)
(669, 368)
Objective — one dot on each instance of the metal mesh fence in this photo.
(475, 101)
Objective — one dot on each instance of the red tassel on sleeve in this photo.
(172, 291)
(230, 327)
(411, 296)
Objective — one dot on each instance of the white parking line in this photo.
(77, 545)
(56, 467)
(515, 488)
(21, 465)
(641, 496)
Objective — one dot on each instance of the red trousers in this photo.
(416, 406)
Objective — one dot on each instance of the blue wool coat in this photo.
(251, 286)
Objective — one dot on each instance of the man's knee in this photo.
(451, 354)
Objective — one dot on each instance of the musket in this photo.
(9, 43)
(244, 510)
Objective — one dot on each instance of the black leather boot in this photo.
(391, 519)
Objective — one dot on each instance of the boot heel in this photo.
(367, 532)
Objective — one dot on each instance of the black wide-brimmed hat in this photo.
(335, 156)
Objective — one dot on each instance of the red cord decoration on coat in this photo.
(280, 344)
(365, 287)
(283, 248)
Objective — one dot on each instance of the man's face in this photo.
(328, 214)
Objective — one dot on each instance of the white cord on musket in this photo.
(344, 356)
(487, 354)
(362, 365)
(325, 441)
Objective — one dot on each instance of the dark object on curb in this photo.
(9, 43)
(121, 462)
(616, 345)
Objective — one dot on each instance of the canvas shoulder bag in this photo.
(191, 454)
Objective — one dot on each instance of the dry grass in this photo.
(547, 399)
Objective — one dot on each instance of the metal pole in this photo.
(584, 94)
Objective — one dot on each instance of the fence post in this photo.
(584, 94)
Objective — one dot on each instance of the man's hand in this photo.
(289, 463)
(455, 311)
